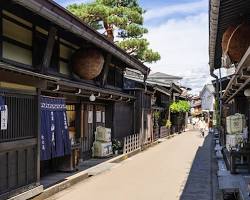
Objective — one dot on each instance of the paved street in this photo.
(159, 173)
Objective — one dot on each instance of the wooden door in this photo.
(87, 134)
(92, 116)
(19, 154)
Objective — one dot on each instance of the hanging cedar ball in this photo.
(235, 41)
(87, 63)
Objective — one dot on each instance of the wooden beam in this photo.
(105, 70)
(234, 87)
(244, 63)
(22, 79)
(49, 49)
(241, 87)
(245, 74)
(18, 144)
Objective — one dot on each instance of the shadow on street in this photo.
(198, 185)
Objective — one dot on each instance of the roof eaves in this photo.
(162, 90)
(213, 27)
(76, 26)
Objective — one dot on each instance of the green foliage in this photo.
(116, 144)
(122, 17)
(157, 115)
(180, 106)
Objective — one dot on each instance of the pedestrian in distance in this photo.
(202, 127)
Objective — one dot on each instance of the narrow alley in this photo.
(177, 168)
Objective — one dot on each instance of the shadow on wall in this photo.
(199, 181)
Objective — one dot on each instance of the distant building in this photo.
(207, 98)
(196, 106)
(164, 78)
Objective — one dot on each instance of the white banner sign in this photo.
(4, 117)
(90, 117)
(98, 116)
(103, 117)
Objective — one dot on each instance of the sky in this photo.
(178, 30)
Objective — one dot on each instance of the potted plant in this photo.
(116, 146)
(156, 115)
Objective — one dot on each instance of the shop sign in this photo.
(90, 117)
(98, 116)
(4, 117)
(103, 117)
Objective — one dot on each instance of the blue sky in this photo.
(178, 30)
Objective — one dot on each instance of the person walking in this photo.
(202, 126)
(193, 122)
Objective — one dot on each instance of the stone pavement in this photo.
(199, 182)
(158, 173)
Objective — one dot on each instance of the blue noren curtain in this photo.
(54, 128)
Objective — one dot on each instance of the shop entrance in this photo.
(55, 148)
(92, 117)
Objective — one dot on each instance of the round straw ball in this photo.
(239, 42)
(226, 36)
(87, 63)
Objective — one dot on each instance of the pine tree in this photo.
(121, 20)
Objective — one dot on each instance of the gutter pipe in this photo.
(216, 90)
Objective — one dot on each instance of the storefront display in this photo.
(103, 134)
(102, 146)
(235, 123)
(102, 149)
(71, 116)
(234, 142)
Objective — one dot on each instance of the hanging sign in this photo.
(98, 116)
(90, 117)
(4, 117)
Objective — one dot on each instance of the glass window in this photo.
(17, 54)
(17, 32)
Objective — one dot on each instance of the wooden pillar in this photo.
(38, 128)
(105, 70)
(134, 116)
(1, 32)
(248, 120)
(48, 50)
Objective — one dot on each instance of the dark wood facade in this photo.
(35, 56)
(18, 146)
(143, 112)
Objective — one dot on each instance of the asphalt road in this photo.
(159, 173)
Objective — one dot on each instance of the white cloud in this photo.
(183, 45)
(183, 8)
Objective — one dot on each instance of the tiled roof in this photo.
(163, 76)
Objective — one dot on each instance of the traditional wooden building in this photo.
(207, 102)
(59, 80)
(196, 109)
(163, 92)
(229, 47)
(143, 92)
